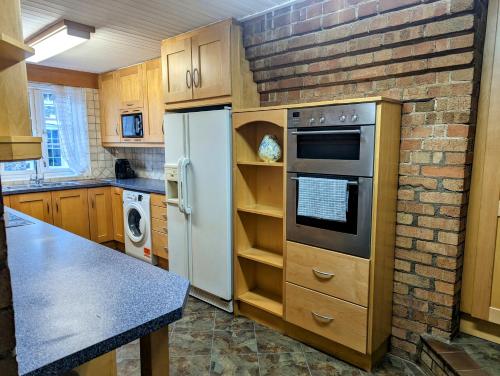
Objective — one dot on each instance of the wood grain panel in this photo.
(159, 244)
(117, 208)
(36, 205)
(158, 200)
(347, 323)
(58, 76)
(349, 275)
(158, 212)
(71, 211)
(100, 214)
(159, 225)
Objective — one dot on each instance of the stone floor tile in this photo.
(227, 321)
(129, 351)
(393, 365)
(289, 364)
(191, 343)
(189, 365)
(235, 364)
(129, 367)
(196, 322)
(234, 342)
(270, 341)
(321, 364)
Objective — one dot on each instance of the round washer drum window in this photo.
(134, 220)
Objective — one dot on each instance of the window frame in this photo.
(39, 129)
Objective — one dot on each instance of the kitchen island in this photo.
(75, 300)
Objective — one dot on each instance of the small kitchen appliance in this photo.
(123, 169)
(132, 124)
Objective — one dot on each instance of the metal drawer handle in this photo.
(325, 319)
(323, 275)
(301, 133)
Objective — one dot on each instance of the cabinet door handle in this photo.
(116, 130)
(322, 318)
(189, 79)
(48, 208)
(92, 203)
(196, 78)
(163, 127)
(322, 275)
(57, 207)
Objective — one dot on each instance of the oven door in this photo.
(350, 237)
(342, 150)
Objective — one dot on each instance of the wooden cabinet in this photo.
(71, 211)
(37, 205)
(207, 66)
(100, 214)
(159, 225)
(110, 108)
(137, 88)
(131, 87)
(117, 208)
(177, 72)
(16, 136)
(154, 101)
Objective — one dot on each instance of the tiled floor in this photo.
(208, 341)
(485, 353)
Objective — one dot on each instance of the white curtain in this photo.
(71, 110)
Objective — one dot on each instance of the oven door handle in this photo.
(343, 131)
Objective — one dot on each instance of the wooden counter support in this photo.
(154, 353)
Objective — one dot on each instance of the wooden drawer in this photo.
(159, 212)
(158, 200)
(329, 317)
(159, 225)
(159, 240)
(332, 273)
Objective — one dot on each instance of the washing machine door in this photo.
(135, 222)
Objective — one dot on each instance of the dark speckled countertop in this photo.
(136, 184)
(75, 300)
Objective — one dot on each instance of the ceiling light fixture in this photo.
(58, 38)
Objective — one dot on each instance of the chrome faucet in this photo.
(35, 179)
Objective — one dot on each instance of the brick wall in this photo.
(428, 55)
(8, 364)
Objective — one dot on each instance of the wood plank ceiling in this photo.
(128, 31)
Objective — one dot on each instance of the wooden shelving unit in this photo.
(258, 215)
(13, 51)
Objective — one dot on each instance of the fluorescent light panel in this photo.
(58, 38)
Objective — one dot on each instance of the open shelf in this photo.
(266, 210)
(249, 136)
(260, 163)
(265, 257)
(264, 300)
(12, 51)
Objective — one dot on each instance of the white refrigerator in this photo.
(198, 156)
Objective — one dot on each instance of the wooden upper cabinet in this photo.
(211, 62)
(110, 108)
(100, 214)
(130, 87)
(207, 66)
(177, 69)
(154, 103)
(37, 205)
(71, 211)
(117, 207)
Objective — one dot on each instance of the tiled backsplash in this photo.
(146, 162)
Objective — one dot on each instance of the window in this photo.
(59, 116)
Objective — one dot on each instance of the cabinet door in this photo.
(6, 201)
(211, 62)
(494, 314)
(37, 205)
(71, 211)
(130, 86)
(117, 205)
(110, 109)
(100, 214)
(176, 70)
(155, 106)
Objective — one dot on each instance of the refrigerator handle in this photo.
(182, 185)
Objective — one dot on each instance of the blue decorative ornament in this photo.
(269, 149)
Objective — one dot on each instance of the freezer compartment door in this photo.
(175, 137)
(178, 255)
(209, 197)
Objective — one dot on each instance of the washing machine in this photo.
(137, 217)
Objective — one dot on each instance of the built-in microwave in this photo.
(132, 124)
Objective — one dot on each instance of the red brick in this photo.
(442, 249)
(332, 6)
(367, 9)
(406, 194)
(412, 255)
(432, 272)
(385, 5)
(306, 26)
(439, 223)
(412, 279)
(415, 232)
(416, 181)
(438, 298)
(417, 208)
(441, 198)
(451, 172)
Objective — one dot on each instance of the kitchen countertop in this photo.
(137, 184)
(75, 300)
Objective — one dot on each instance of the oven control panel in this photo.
(335, 115)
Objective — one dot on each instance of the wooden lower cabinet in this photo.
(36, 205)
(332, 318)
(71, 211)
(117, 208)
(100, 214)
(159, 237)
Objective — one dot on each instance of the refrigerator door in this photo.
(209, 197)
(178, 222)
